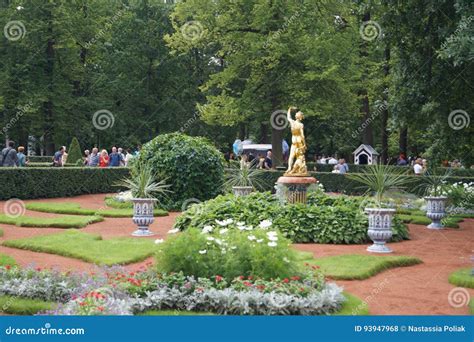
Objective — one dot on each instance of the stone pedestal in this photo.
(296, 187)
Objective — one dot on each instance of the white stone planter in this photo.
(380, 228)
(242, 190)
(143, 215)
(436, 210)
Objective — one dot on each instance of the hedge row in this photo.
(40, 159)
(31, 182)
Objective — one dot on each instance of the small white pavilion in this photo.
(365, 154)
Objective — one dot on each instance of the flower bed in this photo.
(116, 292)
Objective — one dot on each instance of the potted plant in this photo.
(379, 179)
(144, 188)
(433, 186)
(243, 180)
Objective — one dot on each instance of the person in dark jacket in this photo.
(9, 156)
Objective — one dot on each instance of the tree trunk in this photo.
(48, 104)
(384, 116)
(242, 131)
(367, 135)
(403, 141)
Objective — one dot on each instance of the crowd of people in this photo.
(15, 157)
(260, 161)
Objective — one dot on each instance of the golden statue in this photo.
(296, 161)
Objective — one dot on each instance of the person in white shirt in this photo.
(418, 167)
(128, 157)
(322, 160)
(332, 161)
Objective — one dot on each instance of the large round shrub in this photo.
(192, 165)
(326, 219)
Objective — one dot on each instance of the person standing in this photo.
(343, 167)
(21, 157)
(94, 157)
(86, 158)
(64, 161)
(104, 158)
(128, 157)
(268, 160)
(9, 155)
(115, 159)
(332, 161)
(122, 156)
(418, 167)
(58, 157)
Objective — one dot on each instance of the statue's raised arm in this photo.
(296, 160)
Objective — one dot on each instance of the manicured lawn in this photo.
(54, 222)
(23, 306)
(462, 278)
(6, 260)
(75, 209)
(111, 202)
(471, 306)
(354, 266)
(353, 306)
(449, 222)
(1, 232)
(88, 247)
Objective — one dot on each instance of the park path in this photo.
(416, 290)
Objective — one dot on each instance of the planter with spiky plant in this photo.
(433, 185)
(378, 180)
(144, 187)
(245, 179)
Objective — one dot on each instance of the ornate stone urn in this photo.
(380, 228)
(436, 210)
(242, 190)
(143, 215)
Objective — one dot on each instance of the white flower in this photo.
(207, 229)
(240, 223)
(158, 241)
(224, 222)
(173, 231)
(265, 224)
(219, 242)
(272, 244)
(223, 231)
(242, 227)
(285, 259)
(210, 238)
(204, 251)
(251, 237)
(249, 228)
(260, 240)
(273, 238)
(233, 247)
(272, 233)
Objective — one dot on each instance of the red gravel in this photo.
(416, 290)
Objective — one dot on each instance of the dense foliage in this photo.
(74, 153)
(162, 66)
(191, 165)
(327, 219)
(228, 252)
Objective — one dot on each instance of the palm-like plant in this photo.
(143, 183)
(379, 179)
(247, 175)
(433, 182)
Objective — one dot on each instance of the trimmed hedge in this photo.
(28, 183)
(40, 159)
(48, 182)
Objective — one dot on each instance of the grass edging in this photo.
(23, 306)
(462, 277)
(64, 221)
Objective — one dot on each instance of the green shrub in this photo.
(23, 306)
(462, 277)
(229, 253)
(192, 165)
(51, 222)
(27, 183)
(326, 219)
(6, 260)
(41, 159)
(74, 153)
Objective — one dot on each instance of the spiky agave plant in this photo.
(143, 183)
(247, 175)
(378, 179)
(433, 182)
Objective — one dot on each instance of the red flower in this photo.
(295, 278)
(315, 267)
(261, 287)
(218, 278)
(250, 278)
(241, 277)
(82, 303)
(8, 267)
(286, 280)
(301, 289)
(246, 283)
(100, 308)
(38, 269)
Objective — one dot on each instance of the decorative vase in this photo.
(436, 210)
(143, 215)
(380, 228)
(242, 190)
